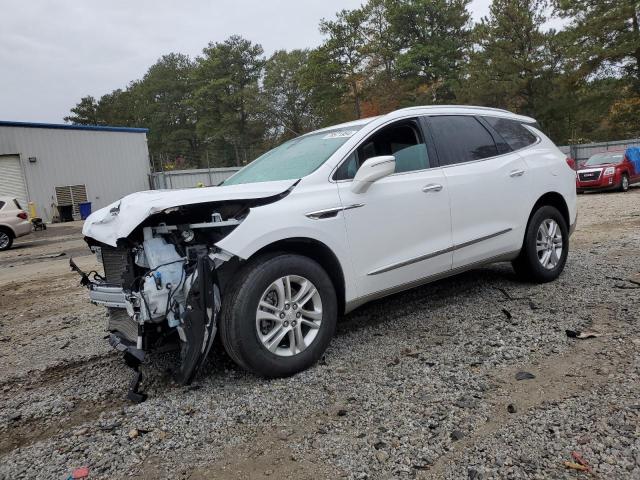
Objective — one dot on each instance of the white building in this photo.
(65, 165)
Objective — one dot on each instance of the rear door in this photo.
(487, 184)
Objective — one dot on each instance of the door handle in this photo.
(516, 173)
(432, 187)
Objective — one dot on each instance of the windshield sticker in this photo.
(340, 134)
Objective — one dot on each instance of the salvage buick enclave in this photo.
(322, 224)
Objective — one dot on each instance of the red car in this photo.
(607, 171)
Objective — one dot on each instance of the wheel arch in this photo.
(8, 229)
(317, 251)
(553, 199)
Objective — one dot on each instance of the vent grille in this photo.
(71, 195)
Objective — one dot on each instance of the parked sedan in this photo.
(14, 222)
(607, 171)
(323, 224)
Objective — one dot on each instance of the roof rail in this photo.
(470, 107)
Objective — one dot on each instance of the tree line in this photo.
(231, 103)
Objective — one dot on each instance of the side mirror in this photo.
(371, 171)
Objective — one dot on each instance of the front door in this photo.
(399, 230)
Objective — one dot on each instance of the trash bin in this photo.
(85, 210)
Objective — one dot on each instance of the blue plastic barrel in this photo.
(85, 210)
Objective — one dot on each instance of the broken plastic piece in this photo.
(524, 376)
(582, 335)
(133, 357)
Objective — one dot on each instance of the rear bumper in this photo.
(21, 229)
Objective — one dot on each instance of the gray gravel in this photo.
(416, 385)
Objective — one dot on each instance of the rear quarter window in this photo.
(1, 204)
(513, 132)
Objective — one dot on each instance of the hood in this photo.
(597, 167)
(119, 219)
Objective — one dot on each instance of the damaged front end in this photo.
(162, 283)
(162, 293)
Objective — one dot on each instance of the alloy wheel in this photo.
(625, 183)
(549, 244)
(289, 315)
(4, 240)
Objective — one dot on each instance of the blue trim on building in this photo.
(58, 126)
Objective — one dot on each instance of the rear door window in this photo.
(461, 139)
(513, 132)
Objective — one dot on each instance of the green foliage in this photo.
(231, 103)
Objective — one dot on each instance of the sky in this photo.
(54, 52)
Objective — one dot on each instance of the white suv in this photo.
(327, 222)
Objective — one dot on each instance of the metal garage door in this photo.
(11, 179)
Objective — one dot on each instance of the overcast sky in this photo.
(53, 52)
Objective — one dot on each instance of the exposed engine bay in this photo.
(162, 285)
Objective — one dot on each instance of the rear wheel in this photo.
(279, 316)
(6, 239)
(624, 183)
(545, 248)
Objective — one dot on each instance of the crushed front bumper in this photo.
(132, 335)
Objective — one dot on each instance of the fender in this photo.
(287, 219)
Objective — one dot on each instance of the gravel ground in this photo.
(418, 385)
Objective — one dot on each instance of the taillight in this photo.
(23, 215)
(571, 162)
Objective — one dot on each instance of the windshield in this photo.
(602, 158)
(294, 159)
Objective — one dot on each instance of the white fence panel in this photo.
(190, 178)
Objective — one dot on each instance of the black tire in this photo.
(240, 303)
(6, 239)
(528, 266)
(624, 182)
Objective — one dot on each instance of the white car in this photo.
(14, 222)
(325, 223)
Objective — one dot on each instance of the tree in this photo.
(226, 95)
(286, 100)
(344, 52)
(85, 112)
(435, 37)
(160, 101)
(606, 36)
(511, 65)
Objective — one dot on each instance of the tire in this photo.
(624, 183)
(244, 332)
(529, 263)
(6, 239)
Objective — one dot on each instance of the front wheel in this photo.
(545, 247)
(279, 315)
